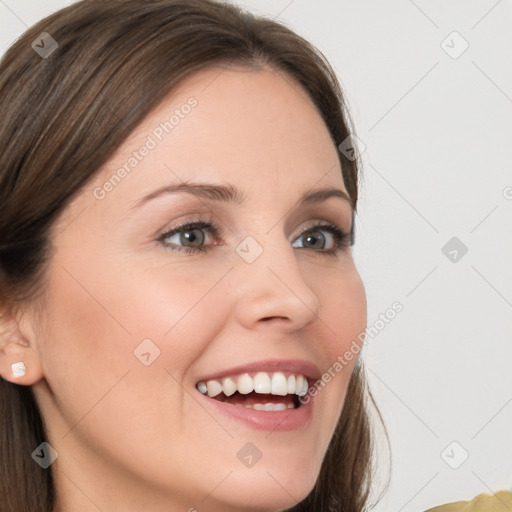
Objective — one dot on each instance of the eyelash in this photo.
(342, 240)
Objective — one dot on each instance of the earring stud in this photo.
(18, 369)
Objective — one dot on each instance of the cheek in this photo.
(99, 315)
(344, 315)
(343, 310)
(96, 321)
(116, 304)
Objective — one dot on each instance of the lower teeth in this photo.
(268, 407)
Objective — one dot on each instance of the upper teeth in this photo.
(262, 382)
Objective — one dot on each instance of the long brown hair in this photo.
(64, 113)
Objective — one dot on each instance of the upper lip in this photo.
(296, 366)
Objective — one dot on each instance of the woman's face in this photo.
(211, 260)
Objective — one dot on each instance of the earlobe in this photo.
(19, 363)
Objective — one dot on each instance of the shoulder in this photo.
(499, 502)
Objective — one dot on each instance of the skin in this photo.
(132, 437)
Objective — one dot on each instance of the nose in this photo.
(273, 292)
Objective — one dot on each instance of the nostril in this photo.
(273, 318)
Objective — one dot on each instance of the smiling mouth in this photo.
(262, 391)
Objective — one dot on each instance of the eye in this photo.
(200, 236)
(190, 237)
(326, 238)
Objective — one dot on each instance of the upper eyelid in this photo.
(203, 224)
(319, 208)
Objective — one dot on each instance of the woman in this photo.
(177, 284)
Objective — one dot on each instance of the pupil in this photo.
(315, 241)
(192, 238)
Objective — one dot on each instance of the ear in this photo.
(17, 346)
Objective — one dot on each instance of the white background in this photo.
(438, 137)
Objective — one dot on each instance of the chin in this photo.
(260, 495)
(263, 488)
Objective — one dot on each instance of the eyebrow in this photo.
(231, 194)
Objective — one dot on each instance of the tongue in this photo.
(255, 398)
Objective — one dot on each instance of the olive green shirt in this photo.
(499, 502)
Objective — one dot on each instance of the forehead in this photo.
(256, 129)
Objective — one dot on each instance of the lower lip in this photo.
(275, 421)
